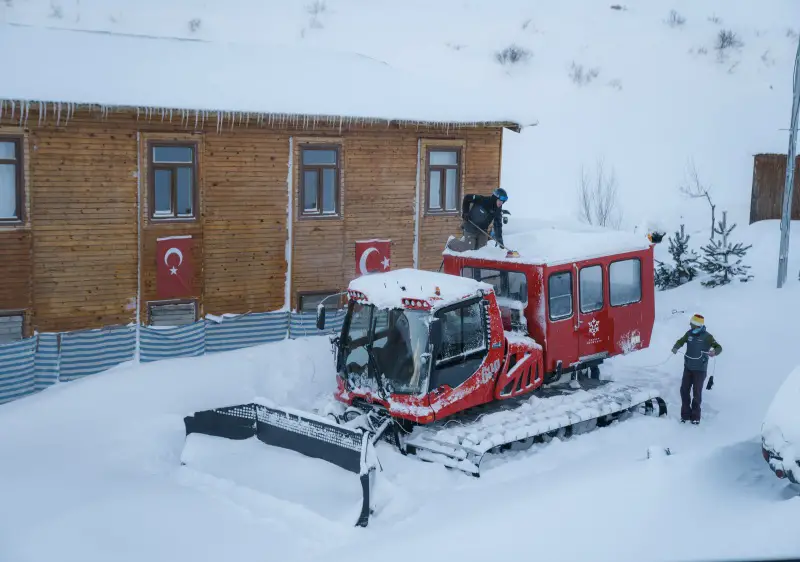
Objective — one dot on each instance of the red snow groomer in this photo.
(497, 352)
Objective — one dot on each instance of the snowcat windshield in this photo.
(398, 341)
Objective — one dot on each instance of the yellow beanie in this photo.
(697, 320)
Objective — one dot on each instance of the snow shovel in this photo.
(509, 253)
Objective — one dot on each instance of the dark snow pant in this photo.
(692, 394)
(476, 240)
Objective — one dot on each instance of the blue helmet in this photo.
(501, 194)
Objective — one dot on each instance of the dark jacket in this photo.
(482, 210)
(697, 347)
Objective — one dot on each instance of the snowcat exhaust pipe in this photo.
(307, 434)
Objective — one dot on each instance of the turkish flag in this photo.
(373, 256)
(174, 271)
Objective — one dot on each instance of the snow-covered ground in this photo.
(91, 469)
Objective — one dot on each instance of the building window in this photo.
(172, 313)
(625, 282)
(559, 289)
(591, 288)
(319, 181)
(11, 325)
(11, 184)
(173, 181)
(307, 302)
(444, 179)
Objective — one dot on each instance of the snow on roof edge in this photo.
(23, 108)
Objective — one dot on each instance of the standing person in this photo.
(700, 345)
(481, 212)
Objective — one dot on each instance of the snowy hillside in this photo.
(640, 88)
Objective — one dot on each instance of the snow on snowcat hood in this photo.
(388, 290)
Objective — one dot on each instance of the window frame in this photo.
(463, 356)
(302, 168)
(442, 180)
(602, 289)
(641, 284)
(19, 163)
(151, 180)
(152, 303)
(571, 296)
(6, 313)
(323, 294)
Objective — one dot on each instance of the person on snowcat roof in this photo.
(479, 213)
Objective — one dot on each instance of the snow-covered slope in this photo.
(91, 469)
(618, 85)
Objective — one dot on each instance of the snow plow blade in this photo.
(307, 434)
(559, 412)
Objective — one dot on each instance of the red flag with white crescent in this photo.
(373, 256)
(174, 271)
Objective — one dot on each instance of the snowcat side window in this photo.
(356, 358)
(464, 343)
(591, 279)
(559, 290)
(625, 282)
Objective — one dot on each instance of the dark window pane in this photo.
(560, 294)
(450, 190)
(185, 188)
(444, 158)
(315, 157)
(7, 150)
(625, 282)
(168, 154)
(434, 199)
(310, 190)
(462, 332)
(591, 288)
(8, 191)
(308, 303)
(163, 192)
(329, 190)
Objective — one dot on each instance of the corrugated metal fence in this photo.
(33, 364)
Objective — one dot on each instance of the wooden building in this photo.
(273, 203)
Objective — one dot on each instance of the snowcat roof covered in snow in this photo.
(387, 290)
(543, 243)
(216, 76)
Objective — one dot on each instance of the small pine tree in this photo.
(686, 260)
(723, 260)
(686, 263)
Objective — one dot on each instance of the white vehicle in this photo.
(780, 432)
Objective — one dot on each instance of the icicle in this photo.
(2, 107)
(219, 117)
(233, 119)
(13, 109)
(21, 112)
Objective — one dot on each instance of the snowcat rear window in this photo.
(559, 290)
(591, 288)
(507, 284)
(625, 282)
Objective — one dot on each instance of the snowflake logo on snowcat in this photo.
(594, 327)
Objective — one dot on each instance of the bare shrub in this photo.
(693, 188)
(582, 76)
(675, 19)
(56, 11)
(792, 34)
(194, 25)
(616, 83)
(512, 54)
(315, 10)
(727, 39)
(715, 19)
(618, 7)
(598, 201)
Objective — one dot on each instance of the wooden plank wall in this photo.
(769, 180)
(83, 231)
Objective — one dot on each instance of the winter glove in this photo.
(712, 353)
(710, 382)
(674, 350)
(505, 220)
